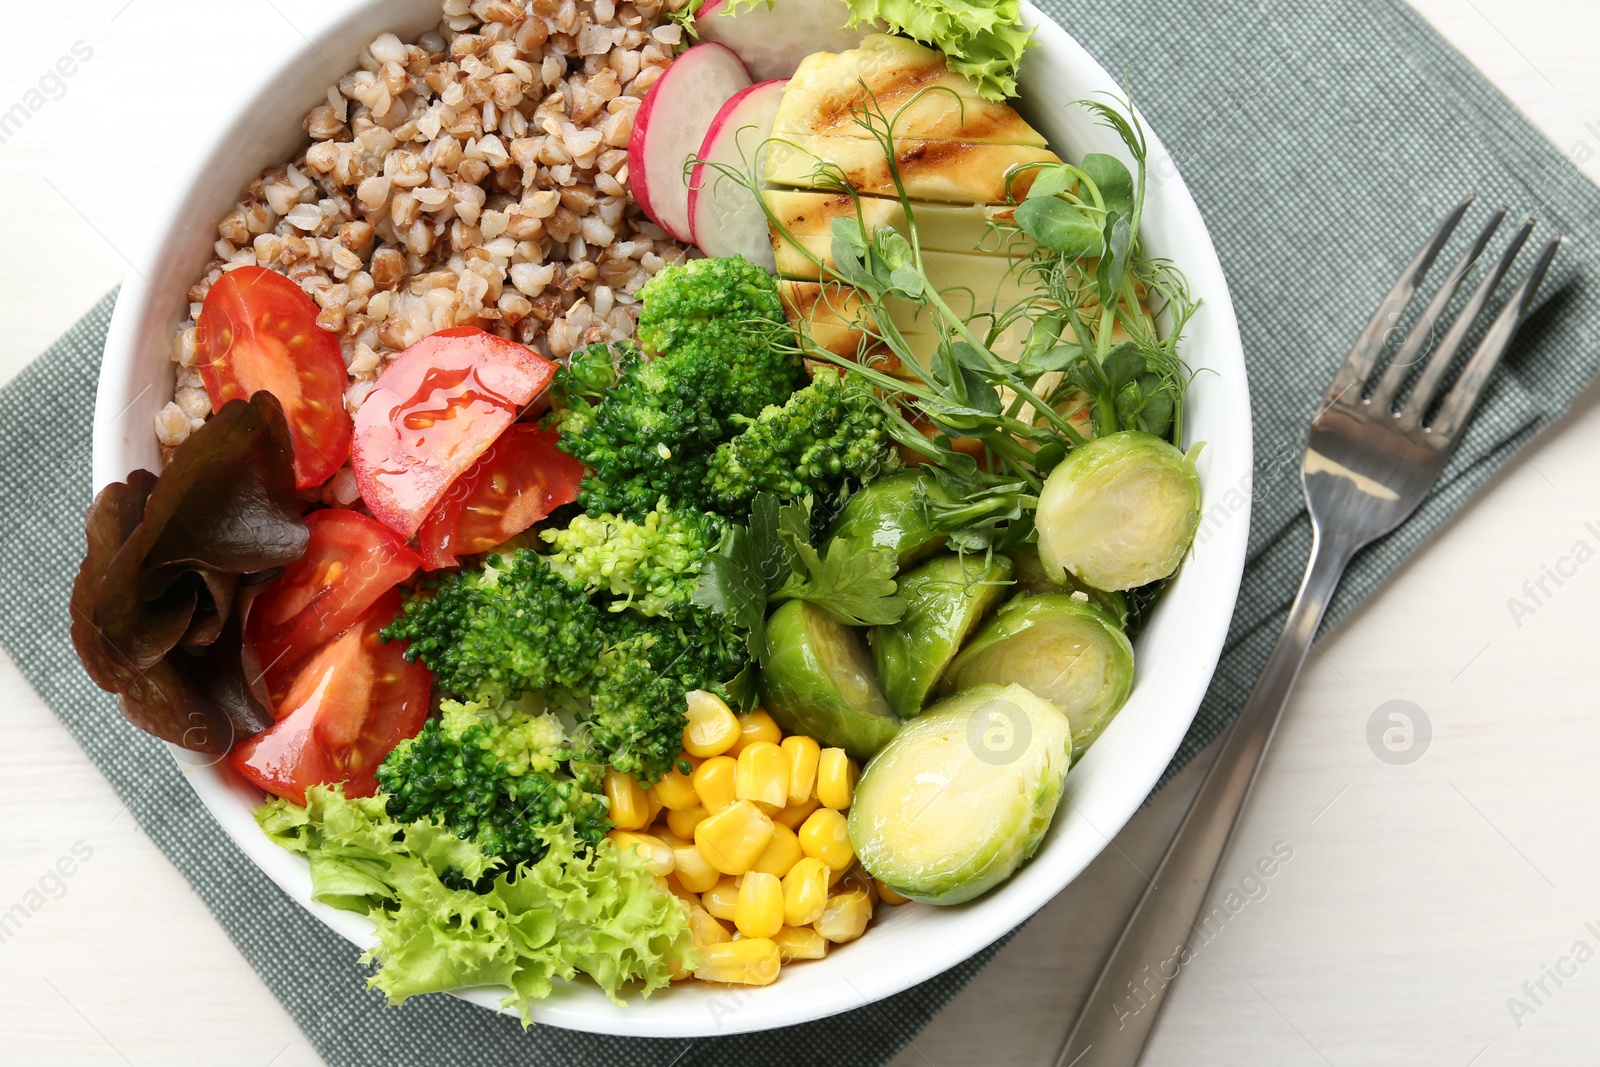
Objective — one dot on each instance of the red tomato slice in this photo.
(352, 702)
(433, 412)
(258, 331)
(351, 562)
(521, 479)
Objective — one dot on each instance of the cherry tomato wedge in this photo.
(521, 479)
(350, 562)
(347, 707)
(433, 412)
(258, 331)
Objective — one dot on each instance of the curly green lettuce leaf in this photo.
(598, 913)
(983, 39)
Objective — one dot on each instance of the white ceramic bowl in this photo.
(1176, 652)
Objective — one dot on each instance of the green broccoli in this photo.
(495, 774)
(828, 431)
(579, 385)
(518, 626)
(653, 565)
(513, 627)
(636, 708)
(719, 348)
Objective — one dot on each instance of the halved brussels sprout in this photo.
(818, 681)
(963, 795)
(1029, 575)
(1119, 512)
(946, 599)
(1069, 651)
(889, 514)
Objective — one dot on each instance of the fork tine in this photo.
(1358, 366)
(1427, 386)
(1395, 374)
(1457, 407)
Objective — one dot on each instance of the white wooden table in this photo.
(1431, 913)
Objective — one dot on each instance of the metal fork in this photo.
(1367, 466)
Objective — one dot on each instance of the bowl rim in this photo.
(139, 321)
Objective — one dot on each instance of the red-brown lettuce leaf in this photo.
(159, 605)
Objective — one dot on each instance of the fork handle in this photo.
(1163, 934)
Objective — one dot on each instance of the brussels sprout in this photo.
(1029, 575)
(818, 681)
(889, 513)
(946, 599)
(1069, 651)
(962, 795)
(1119, 511)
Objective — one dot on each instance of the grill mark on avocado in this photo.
(976, 120)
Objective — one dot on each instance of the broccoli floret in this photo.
(494, 774)
(828, 431)
(579, 386)
(636, 708)
(519, 627)
(726, 311)
(718, 344)
(652, 565)
(514, 627)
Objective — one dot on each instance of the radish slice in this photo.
(772, 38)
(671, 126)
(726, 217)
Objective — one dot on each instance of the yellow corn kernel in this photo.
(721, 899)
(676, 888)
(795, 814)
(683, 822)
(836, 778)
(756, 726)
(652, 803)
(835, 877)
(805, 892)
(802, 753)
(712, 728)
(826, 836)
(668, 838)
(657, 856)
(800, 943)
(781, 853)
(705, 929)
(845, 917)
(715, 782)
(857, 878)
(630, 808)
(692, 870)
(675, 791)
(762, 775)
(759, 909)
(734, 838)
(748, 961)
(887, 895)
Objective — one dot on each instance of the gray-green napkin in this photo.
(1322, 141)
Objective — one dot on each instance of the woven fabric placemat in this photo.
(1322, 141)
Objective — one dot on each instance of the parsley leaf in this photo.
(773, 559)
(853, 583)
